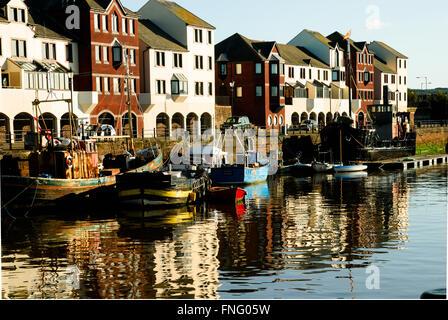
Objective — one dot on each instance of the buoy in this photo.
(69, 161)
(434, 294)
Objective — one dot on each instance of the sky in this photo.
(417, 29)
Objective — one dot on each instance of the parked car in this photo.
(103, 130)
(237, 122)
(309, 125)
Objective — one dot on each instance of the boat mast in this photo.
(131, 131)
(349, 78)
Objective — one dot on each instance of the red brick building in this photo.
(108, 41)
(251, 74)
(362, 75)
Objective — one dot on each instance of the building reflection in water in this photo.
(317, 224)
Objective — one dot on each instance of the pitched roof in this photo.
(156, 38)
(391, 50)
(297, 56)
(329, 43)
(240, 48)
(104, 4)
(339, 38)
(43, 27)
(185, 15)
(382, 66)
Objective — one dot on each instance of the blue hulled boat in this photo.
(252, 171)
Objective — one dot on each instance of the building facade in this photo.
(251, 75)
(177, 50)
(36, 62)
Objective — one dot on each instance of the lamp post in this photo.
(232, 85)
(426, 80)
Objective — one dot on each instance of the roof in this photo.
(185, 15)
(391, 50)
(329, 43)
(104, 4)
(44, 28)
(338, 37)
(40, 66)
(240, 48)
(156, 38)
(297, 56)
(382, 66)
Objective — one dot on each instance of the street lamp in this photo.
(426, 80)
(232, 85)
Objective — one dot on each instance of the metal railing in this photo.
(431, 123)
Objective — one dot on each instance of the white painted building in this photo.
(35, 62)
(177, 86)
(331, 55)
(398, 64)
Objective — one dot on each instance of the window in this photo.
(238, 68)
(309, 74)
(399, 63)
(269, 120)
(97, 53)
(209, 37)
(68, 52)
(393, 79)
(160, 59)
(106, 85)
(132, 56)
(318, 74)
(133, 85)
(49, 51)
(198, 62)
(17, 15)
(179, 86)
(405, 66)
(291, 72)
(399, 80)
(105, 23)
(18, 48)
(239, 92)
(161, 89)
(223, 69)
(404, 96)
(132, 26)
(274, 91)
(124, 25)
(199, 88)
(117, 85)
(96, 21)
(258, 91)
(274, 68)
(177, 60)
(99, 84)
(258, 68)
(0, 47)
(210, 63)
(106, 54)
(115, 27)
(335, 76)
(366, 76)
(282, 69)
(282, 91)
(405, 79)
(198, 35)
(325, 75)
(386, 78)
(210, 88)
(302, 73)
(117, 54)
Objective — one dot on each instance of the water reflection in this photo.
(315, 227)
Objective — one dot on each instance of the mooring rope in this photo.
(21, 192)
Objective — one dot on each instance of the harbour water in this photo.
(375, 236)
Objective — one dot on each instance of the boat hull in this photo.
(350, 168)
(226, 194)
(24, 191)
(322, 167)
(239, 175)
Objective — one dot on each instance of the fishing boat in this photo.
(158, 189)
(53, 175)
(226, 194)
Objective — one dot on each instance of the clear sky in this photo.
(417, 29)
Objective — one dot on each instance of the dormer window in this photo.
(17, 15)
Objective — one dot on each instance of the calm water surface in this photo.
(293, 238)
